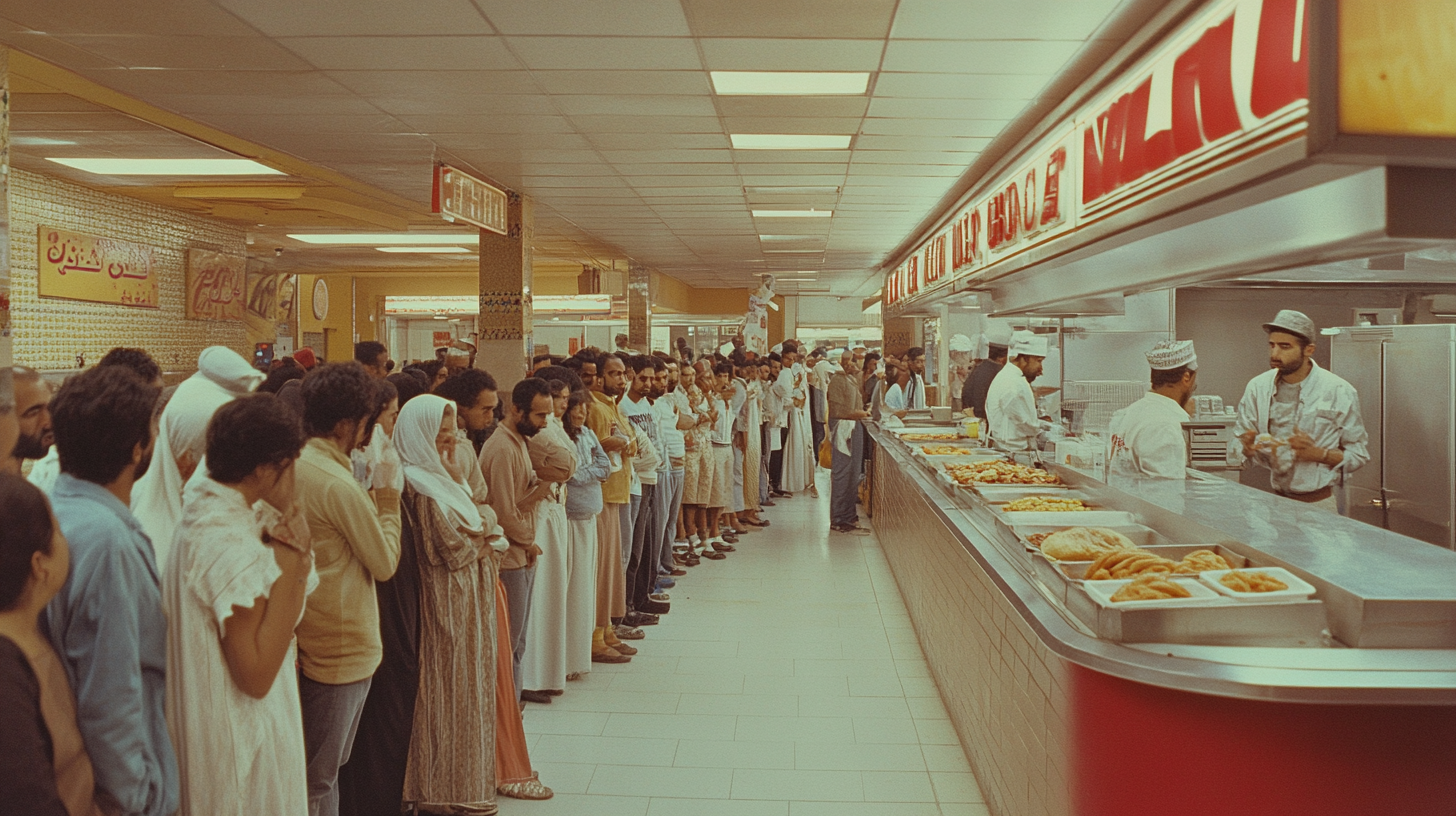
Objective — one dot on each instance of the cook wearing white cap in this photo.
(973, 394)
(1147, 436)
(1010, 405)
(1299, 420)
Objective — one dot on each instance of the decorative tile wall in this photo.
(51, 333)
(1006, 692)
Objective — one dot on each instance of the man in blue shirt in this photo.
(107, 623)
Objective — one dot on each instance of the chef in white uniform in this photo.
(1010, 405)
(1147, 436)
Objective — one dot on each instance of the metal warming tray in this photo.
(1221, 622)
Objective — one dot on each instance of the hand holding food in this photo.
(1155, 587)
(1241, 581)
(1045, 504)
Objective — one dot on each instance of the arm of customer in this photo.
(369, 524)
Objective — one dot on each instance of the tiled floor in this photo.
(785, 682)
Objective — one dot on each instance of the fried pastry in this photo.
(1201, 561)
(1127, 564)
(1083, 543)
(1045, 504)
(1240, 581)
(1155, 587)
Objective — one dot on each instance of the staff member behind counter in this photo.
(978, 384)
(1300, 421)
(1147, 436)
(1010, 405)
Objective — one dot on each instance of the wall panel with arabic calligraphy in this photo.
(216, 285)
(75, 266)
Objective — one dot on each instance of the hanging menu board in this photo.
(459, 196)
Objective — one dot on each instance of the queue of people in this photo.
(334, 592)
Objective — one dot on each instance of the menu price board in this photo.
(75, 266)
(216, 285)
(459, 196)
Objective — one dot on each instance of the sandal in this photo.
(529, 789)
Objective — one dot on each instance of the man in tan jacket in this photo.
(355, 542)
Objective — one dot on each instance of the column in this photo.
(503, 341)
(639, 307)
(6, 395)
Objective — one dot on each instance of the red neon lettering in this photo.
(1050, 199)
(996, 220)
(973, 236)
(959, 252)
(1013, 212)
(1028, 209)
(1203, 90)
(912, 275)
(1281, 71)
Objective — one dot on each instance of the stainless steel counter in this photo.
(1379, 588)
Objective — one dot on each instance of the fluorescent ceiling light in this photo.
(392, 238)
(788, 141)
(430, 249)
(169, 167)
(798, 83)
(792, 213)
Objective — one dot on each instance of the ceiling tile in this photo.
(265, 123)
(648, 124)
(916, 109)
(991, 19)
(657, 141)
(793, 106)
(605, 104)
(465, 123)
(441, 53)
(620, 53)
(435, 84)
(780, 124)
(934, 127)
(132, 17)
(199, 104)
(191, 52)
(951, 143)
(431, 101)
(809, 19)
(979, 56)
(660, 18)
(961, 86)
(735, 54)
(145, 84)
(290, 18)
(623, 82)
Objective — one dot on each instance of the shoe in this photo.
(538, 697)
(665, 582)
(767, 503)
(660, 597)
(629, 633)
(574, 676)
(678, 573)
(623, 648)
(722, 546)
(727, 538)
(679, 559)
(640, 619)
(714, 555)
(694, 560)
(814, 491)
(609, 656)
(654, 608)
(529, 789)
(555, 692)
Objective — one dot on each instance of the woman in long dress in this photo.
(452, 750)
(236, 578)
(543, 666)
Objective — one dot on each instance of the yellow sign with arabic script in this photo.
(101, 270)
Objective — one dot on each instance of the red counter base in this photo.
(1141, 750)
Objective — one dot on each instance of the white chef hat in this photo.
(998, 335)
(1028, 343)
(960, 342)
(1171, 354)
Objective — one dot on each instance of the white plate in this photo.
(1102, 592)
(1298, 587)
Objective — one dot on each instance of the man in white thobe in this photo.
(1147, 436)
(1010, 405)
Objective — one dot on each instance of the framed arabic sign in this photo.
(216, 285)
(101, 270)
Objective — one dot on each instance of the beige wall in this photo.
(50, 334)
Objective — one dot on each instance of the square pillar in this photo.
(6, 394)
(639, 308)
(503, 339)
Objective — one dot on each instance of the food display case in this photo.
(1335, 692)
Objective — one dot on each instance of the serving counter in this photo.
(1341, 704)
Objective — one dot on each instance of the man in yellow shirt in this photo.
(355, 542)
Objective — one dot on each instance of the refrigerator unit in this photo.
(1406, 378)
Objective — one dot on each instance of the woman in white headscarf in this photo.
(222, 376)
(457, 722)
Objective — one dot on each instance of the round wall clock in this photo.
(320, 299)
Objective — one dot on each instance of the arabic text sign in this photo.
(101, 270)
(216, 285)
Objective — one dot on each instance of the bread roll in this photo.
(1083, 543)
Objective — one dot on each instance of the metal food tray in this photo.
(1063, 518)
(1060, 576)
(1008, 492)
(1076, 570)
(1221, 622)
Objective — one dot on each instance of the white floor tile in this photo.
(566, 804)
(545, 720)
(797, 684)
(861, 809)
(721, 807)
(670, 726)
(563, 777)
(769, 666)
(617, 700)
(694, 683)
(604, 750)
(763, 705)
(775, 756)
(893, 730)
(884, 707)
(956, 787)
(830, 756)
(936, 732)
(814, 786)
(795, 729)
(897, 786)
(671, 782)
(878, 686)
(945, 758)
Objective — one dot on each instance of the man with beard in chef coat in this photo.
(1299, 420)
(1147, 436)
(1010, 405)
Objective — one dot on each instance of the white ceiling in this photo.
(599, 109)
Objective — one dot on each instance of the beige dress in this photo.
(452, 751)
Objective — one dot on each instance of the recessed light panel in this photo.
(169, 167)
(792, 83)
(788, 141)
(393, 238)
(430, 249)
(792, 213)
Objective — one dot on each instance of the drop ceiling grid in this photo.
(603, 110)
